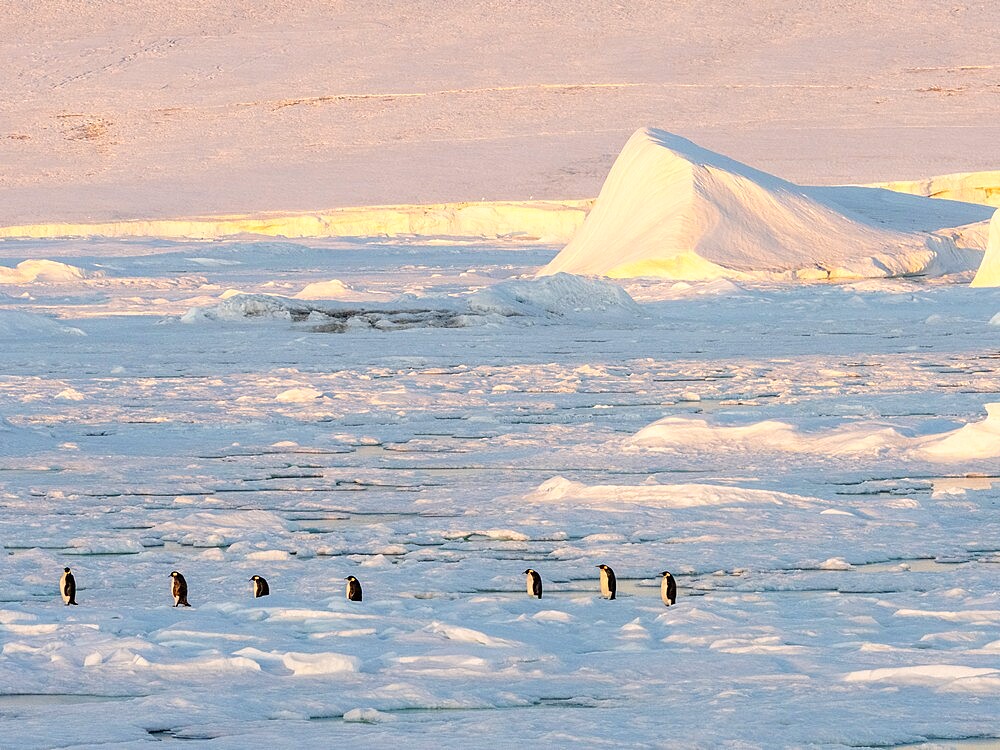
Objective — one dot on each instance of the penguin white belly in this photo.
(605, 586)
(529, 586)
(62, 589)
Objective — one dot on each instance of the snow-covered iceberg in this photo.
(670, 208)
(989, 270)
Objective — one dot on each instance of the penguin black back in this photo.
(353, 589)
(668, 588)
(533, 583)
(260, 587)
(67, 587)
(609, 584)
(179, 589)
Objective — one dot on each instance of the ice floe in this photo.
(550, 298)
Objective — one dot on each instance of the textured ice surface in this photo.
(437, 463)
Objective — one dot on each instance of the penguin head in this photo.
(529, 571)
(603, 567)
(254, 578)
(666, 574)
(350, 578)
(174, 574)
(65, 570)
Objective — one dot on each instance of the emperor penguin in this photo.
(608, 582)
(260, 587)
(67, 587)
(668, 588)
(533, 583)
(179, 589)
(353, 589)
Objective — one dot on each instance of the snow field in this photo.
(436, 464)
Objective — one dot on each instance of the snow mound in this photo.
(298, 396)
(219, 529)
(940, 676)
(459, 634)
(610, 496)
(28, 271)
(18, 324)
(672, 209)
(326, 663)
(17, 441)
(559, 294)
(975, 440)
(332, 289)
(989, 270)
(243, 306)
(682, 433)
(978, 440)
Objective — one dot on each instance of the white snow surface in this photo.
(158, 109)
(827, 503)
(672, 209)
(978, 440)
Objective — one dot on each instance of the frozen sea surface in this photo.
(814, 464)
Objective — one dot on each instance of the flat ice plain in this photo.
(817, 463)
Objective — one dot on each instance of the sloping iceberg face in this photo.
(989, 270)
(670, 208)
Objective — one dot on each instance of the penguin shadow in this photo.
(628, 588)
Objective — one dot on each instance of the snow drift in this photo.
(672, 209)
(673, 496)
(973, 441)
(558, 295)
(28, 271)
(17, 324)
